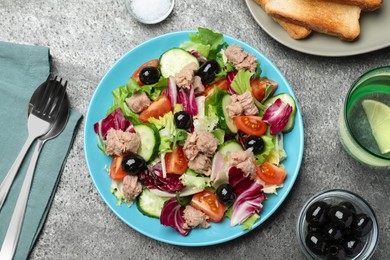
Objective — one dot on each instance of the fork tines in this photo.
(50, 98)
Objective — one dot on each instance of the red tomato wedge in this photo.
(251, 125)
(207, 202)
(222, 84)
(116, 172)
(176, 161)
(153, 63)
(158, 108)
(271, 174)
(259, 87)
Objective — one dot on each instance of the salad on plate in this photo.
(196, 135)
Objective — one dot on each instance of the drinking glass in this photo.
(354, 130)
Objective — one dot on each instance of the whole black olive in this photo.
(226, 193)
(340, 216)
(311, 228)
(316, 243)
(332, 233)
(256, 143)
(335, 252)
(133, 164)
(149, 75)
(362, 225)
(183, 120)
(348, 205)
(316, 214)
(208, 70)
(352, 245)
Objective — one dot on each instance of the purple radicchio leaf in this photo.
(172, 216)
(230, 77)
(277, 116)
(171, 92)
(249, 193)
(115, 120)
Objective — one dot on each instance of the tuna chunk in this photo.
(240, 58)
(118, 142)
(201, 164)
(200, 142)
(195, 218)
(243, 104)
(245, 161)
(198, 86)
(138, 102)
(131, 187)
(185, 77)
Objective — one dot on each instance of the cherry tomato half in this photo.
(207, 202)
(251, 125)
(271, 174)
(116, 171)
(222, 84)
(176, 161)
(158, 108)
(259, 87)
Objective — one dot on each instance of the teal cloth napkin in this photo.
(22, 69)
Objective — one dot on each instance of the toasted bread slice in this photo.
(295, 31)
(322, 16)
(365, 5)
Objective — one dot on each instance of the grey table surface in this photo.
(86, 37)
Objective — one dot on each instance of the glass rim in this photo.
(350, 91)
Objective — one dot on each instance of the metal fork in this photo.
(15, 226)
(41, 119)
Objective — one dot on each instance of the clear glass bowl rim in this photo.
(338, 193)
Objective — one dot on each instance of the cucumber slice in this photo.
(174, 60)
(150, 204)
(225, 121)
(150, 140)
(229, 147)
(286, 98)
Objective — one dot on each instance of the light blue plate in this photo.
(96, 160)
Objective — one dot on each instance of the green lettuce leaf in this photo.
(166, 121)
(165, 144)
(191, 179)
(208, 37)
(269, 143)
(241, 82)
(249, 222)
(203, 49)
(127, 113)
(214, 99)
(153, 91)
(225, 66)
(219, 134)
(207, 122)
(180, 137)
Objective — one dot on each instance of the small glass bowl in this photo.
(333, 197)
(148, 15)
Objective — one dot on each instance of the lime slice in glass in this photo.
(378, 115)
